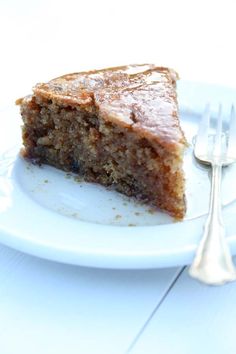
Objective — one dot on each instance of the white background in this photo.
(47, 38)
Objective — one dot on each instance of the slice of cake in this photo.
(117, 126)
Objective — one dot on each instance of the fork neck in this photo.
(215, 196)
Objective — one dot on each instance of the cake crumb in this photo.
(151, 211)
(78, 179)
(117, 217)
(132, 225)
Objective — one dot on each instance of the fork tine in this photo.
(218, 137)
(231, 150)
(201, 144)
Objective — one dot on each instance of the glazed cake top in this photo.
(139, 97)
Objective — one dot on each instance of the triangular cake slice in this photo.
(117, 126)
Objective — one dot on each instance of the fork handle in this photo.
(213, 262)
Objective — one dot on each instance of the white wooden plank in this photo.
(193, 319)
(52, 308)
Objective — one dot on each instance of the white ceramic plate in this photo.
(47, 213)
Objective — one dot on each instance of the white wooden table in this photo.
(51, 308)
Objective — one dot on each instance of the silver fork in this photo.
(213, 262)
